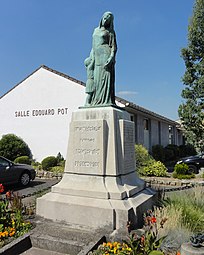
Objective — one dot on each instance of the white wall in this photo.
(43, 90)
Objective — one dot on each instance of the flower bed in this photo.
(12, 220)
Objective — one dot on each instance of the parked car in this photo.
(11, 173)
(194, 162)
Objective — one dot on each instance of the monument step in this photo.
(63, 238)
(37, 251)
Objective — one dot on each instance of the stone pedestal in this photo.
(100, 186)
(188, 249)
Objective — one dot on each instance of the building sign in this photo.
(41, 112)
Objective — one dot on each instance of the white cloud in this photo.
(126, 93)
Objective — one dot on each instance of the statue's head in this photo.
(107, 21)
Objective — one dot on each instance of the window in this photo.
(171, 137)
(3, 162)
(146, 124)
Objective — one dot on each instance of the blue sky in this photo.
(58, 33)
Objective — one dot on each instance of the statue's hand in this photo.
(108, 64)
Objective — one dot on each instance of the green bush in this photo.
(142, 156)
(49, 162)
(181, 171)
(186, 150)
(158, 152)
(181, 168)
(57, 169)
(23, 160)
(175, 149)
(12, 147)
(169, 155)
(154, 168)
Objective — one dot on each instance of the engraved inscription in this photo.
(87, 146)
(128, 145)
(87, 128)
(88, 151)
(86, 164)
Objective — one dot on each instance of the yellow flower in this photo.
(115, 244)
(109, 244)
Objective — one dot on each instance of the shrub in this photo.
(23, 160)
(49, 162)
(175, 149)
(158, 153)
(154, 168)
(142, 156)
(57, 169)
(169, 155)
(12, 147)
(186, 150)
(181, 171)
(181, 168)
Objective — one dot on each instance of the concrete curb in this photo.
(17, 246)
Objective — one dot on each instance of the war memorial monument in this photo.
(100, 187)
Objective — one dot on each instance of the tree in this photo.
(12, 146)
(191, 111)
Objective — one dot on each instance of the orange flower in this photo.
(178, 253)
(142, 239)
(1, 188)
(8, 194)
(153, 220)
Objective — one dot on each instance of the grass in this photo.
(184, 211)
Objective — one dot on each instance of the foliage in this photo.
(175, 231)
(187, 150)
(146, 243)
(169, 155)
(59, 158)
(172, 152)
(183, 176)
(142, 156)
(113, 248)
(12, 224)
(181, 168)
(23, 160)
(181, 171)
(191, 207)
(146, 165)
(57, 169)
(12, 146)
(154, 168)
(36, 165)
(158, 152)
(49, 162)
(191, 110)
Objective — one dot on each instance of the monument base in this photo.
(100, 187)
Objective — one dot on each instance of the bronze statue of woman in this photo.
(101, 64)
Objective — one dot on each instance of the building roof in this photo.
(126, 104)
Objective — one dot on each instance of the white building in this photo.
(39, 109)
